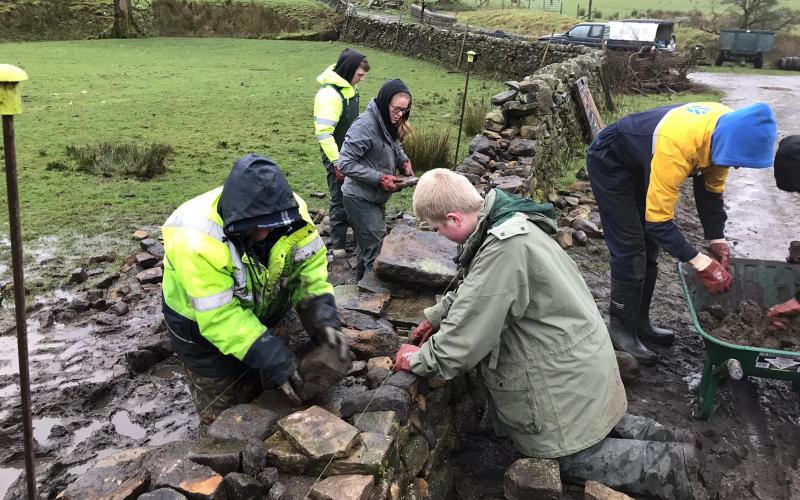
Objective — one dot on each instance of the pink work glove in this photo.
(402, 360)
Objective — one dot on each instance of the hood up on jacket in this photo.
(348, 63)
(384, 97)
(256, 195)
(745, 137)
(787, 164)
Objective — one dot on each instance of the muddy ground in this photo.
(87, 404)
(748, 325)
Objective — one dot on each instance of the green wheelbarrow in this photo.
(764, 282)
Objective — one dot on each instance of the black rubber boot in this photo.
(647, 332)
(624, 310)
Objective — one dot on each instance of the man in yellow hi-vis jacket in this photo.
(236, 258)
(336, 107)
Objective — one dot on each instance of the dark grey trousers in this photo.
(368, 222)
(337, 215)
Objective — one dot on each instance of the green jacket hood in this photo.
(498, 207)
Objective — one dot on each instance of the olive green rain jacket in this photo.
(524, 313)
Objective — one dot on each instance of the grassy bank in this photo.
(212, 100)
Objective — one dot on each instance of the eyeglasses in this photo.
(397, 110)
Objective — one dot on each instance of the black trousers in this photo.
(621, 189)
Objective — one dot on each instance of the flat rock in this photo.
(404, 380)
(408, 312)
(222, 456)
(244, 487)
(340, 273)
(146, 259)
(380, 362)
(504, 97)
(533, 478)
(588, 227)
(479, 158)
(192, 479)
(419, 259)
(381, 422)
(140, 234)
(243, 423)
(107, 281)
(319, 195)
(149, 276)
(372, 343)
(511, 184)
(370, 456)
(78, 275)
(120, 475)
(387, 398)
(139, 361)
(360, 321)
(372, 283)
(163, 494)
(599, 491)
(119, 308)
(522, 147)
(320, 369)
(482, 144)
(415, 454)
(350, 297)
(376, 376)
(347, 487)
(284, 456)
(319, 434)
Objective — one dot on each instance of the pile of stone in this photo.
(579, 220)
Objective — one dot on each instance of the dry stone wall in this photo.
(503, 57)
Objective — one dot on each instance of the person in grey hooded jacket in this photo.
(371, 154)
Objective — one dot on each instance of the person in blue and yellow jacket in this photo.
(336, 107)
(636, 168)
(235, 259)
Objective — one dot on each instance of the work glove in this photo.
(422, 333)
(387, 183)
(402, 360)
(337, 341)
(407, 170)
(338, 173)
(778, 316)
(722, 252)
(715, 278)
(292, 387)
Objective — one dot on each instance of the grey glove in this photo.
(337, 341)
(292, 387)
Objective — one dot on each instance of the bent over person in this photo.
(636, 168)
(236, 258)
(336, 107)
(524, 316)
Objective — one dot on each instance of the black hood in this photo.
(348, 63)
(787, 164)
(256, 194)
(385, 94)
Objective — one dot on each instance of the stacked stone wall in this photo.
(497, 56)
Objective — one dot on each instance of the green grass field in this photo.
(213, 100)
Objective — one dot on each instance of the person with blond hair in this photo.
(523, 314)
(371, 155)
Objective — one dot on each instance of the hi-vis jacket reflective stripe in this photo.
(328, 108)
(207, 281)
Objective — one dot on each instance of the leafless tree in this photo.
(762, 14)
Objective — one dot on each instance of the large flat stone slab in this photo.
(120, 475)
(385, 398)
(382, 422)
(533, 478)
(372, 343)
(351, 297)
(319, 434)
(420, 259)
(407, 312)
(243, 422)
(349, 487)
(223, 456)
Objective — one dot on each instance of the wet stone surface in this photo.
(243, 423)
(319, 434)
(419, 259)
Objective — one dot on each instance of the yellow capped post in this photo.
(10, 105)
(10, 97)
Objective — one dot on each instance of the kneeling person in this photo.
(236, 258)
(524, 315)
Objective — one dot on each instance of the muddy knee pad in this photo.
(663, 470)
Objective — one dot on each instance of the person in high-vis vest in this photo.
(636, 168)
(336, 107)
(787, 178)
(235, 259)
